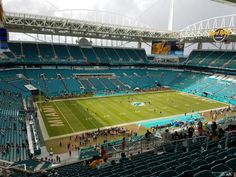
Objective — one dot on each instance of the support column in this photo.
(233, 45)
(171, 16)
(139, 45)
(199, 46)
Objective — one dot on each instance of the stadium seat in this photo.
(142, 173)
(172, 164)
(195, 156)
(187, 173)
(204, 173)
(231, 163)
(218, 169)
(182, 168)
(158, 169)
(212, 159)
(224, 155)
(141, 167)
(198, 163)
(153, 163)
(232, 150)
(113, 175)
(168, 173)
(184, 160)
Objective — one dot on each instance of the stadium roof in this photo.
(229, 2)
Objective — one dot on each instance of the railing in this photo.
(157, 145)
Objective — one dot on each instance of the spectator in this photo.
(123, 157)
(176, 136)
(103, 153)
(148, 135)
(200, 128)
(97, 160)
(213, 126)
(190, 132)
(166, 136)
(123, 144)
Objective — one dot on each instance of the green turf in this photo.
(90, 113)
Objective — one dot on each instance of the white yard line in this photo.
(129, 123)
(108, 96)
(64, 118)
(125, 124)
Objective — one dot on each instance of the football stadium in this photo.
(97, 93)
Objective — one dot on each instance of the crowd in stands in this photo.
(87, 138)
(212, 131)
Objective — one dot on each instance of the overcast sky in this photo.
(154, 13)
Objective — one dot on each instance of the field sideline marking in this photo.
(108, 96)
(42, 124)
(128, 123)
(65, 118)
(207, 100)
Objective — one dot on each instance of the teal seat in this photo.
(141, 167)
(195, 156)
(231, 163)
(142, 173)
(220, 168)
(158, 169)
(182, 168)
(172, 164)
(184, 160)
(155, 163)
(169, 173)
(187, 173)
(232, 150)
(204, 173)
(198, 163)
(211, 158)
(224, 155)
(113, 175)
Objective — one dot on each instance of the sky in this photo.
(151, 13)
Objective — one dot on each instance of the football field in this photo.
(67, 116)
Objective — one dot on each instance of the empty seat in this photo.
(220, 168)
(168, 173)
(187, 173)
(184, 160)
(198, 163)
(172, 164)
(113, 175)
(158, 169)
(141, 167)
(232, 150)
(142, 173)
(105, 174)
(126, 172)
(204, 173)
(224, 155)
(155, 163)
(180, 169)
(212, 158)
(195, 156)
(231, 163)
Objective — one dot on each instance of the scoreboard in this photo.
(167, 48)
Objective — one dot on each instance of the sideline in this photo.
(108, 96)
(125, 124)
